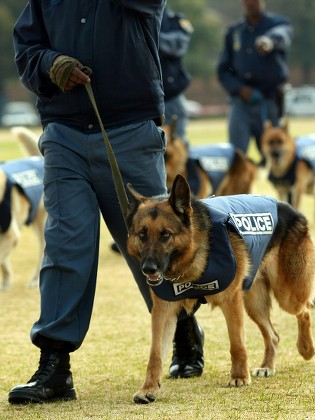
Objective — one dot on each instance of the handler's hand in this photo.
(264, 44)
(245, 93)
(67, 73)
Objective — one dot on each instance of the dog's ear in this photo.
(284, 124)
(267, 124)
(170, 129)
(139, 198)
(180, 197)
(173, 128)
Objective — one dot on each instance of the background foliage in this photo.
(210, 19)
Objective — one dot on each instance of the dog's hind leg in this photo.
(294, 287)
(38, 227)
(163, 324)
(233, 311)
(6, 274)
(8, 240)
(305, 344)
(258, 306)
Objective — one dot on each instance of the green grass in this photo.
(110, 365)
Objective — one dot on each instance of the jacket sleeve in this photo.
(147, 7)
(281, 35)
(225, 71)
(174, 43)
(33, 55)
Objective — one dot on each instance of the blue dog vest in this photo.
(215, 159)
(27, 175)
(305, 150)
(254, 218)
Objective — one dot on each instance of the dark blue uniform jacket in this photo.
(117, 39)
(175, 37)
(254, 218)
(27, 175)
(240, 62)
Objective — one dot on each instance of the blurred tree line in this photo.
(210, 19)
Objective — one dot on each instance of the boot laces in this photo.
(47, 365)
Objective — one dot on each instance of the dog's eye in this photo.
(276, 142)
(166, 235)
(142, 236)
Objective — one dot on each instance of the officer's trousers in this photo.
(78, 186)
(176, 107)
(246, 120)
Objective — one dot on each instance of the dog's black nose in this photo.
(149, 267)
(276, 154)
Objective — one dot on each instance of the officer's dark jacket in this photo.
(27, 175)
(305, 150)
(254, 218)
(117, 39)
(175, 37)
(241, 64)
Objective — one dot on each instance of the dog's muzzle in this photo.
(154, 281)
(153, 276)
(276, 154)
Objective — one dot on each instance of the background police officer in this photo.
(175, 36)
(252, 69)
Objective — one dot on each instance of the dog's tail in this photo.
(28, 140)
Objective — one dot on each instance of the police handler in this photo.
(54, 41)
(253, 69)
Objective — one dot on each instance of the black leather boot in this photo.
(187, 360)
(51, 382)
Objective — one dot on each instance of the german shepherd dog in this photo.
(235, 177)
(21, 191)
(175, 237)
(290, 162)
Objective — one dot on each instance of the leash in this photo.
(118, 182)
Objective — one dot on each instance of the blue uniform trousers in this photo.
(176, 106)
(246, 120)
(78, 186)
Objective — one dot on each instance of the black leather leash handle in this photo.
(119, 185)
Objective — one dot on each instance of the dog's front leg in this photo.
(234, 314)
(163, 324)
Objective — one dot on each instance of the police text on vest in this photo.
(254, 223)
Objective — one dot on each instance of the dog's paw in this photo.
(238, 382)
(33, 283)
(306, 349)
(143, 398)
(263, 372)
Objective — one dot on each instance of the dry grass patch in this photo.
(110, 365)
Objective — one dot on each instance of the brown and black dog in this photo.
(21, 203)
(190, 249)
(219, 169)
(290, 162)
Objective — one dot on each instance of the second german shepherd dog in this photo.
(175, 237)
(209, 167)
(290, 162)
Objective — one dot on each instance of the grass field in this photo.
(110, 365)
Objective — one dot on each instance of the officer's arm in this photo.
(226, 73)
(278, 38)
(174, 43)
(148, 7)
